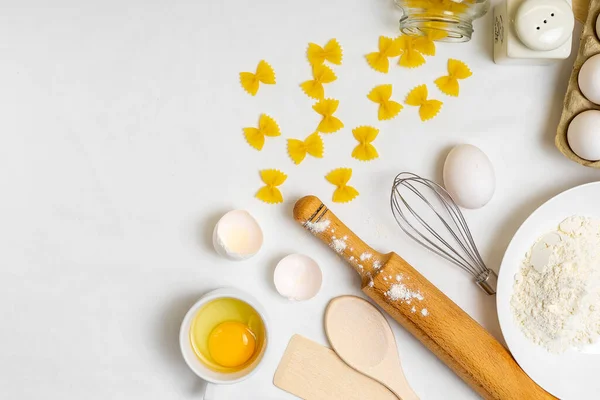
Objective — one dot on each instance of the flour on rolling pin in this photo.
(318, 227)
(366, 262)
(366, 258)
(339, 245)
(401, 293)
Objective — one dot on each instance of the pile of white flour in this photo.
(556, 298)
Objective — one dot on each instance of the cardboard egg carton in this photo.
(575, 102)
(580, 9)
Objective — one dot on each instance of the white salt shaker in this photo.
(532, 32)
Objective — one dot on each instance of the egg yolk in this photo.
(231, 344)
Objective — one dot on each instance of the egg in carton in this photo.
(578, 132)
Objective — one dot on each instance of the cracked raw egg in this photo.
(231, 344)
(227, 334)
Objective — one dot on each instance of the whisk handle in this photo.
(315, 217)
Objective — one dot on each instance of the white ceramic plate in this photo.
(573, 374)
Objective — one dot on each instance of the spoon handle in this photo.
(398, 384)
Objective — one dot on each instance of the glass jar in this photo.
(444, 20)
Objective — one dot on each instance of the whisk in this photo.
(451, 238)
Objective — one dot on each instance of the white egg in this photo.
(237, 235)
(598, 27)
(589, 79)
(298, 277)
(469, 176)
(583, 135)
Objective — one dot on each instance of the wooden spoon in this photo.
(362, 337)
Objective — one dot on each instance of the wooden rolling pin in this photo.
(454, 337)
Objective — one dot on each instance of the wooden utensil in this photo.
(454, 337)
(314, 372)
(362, 337)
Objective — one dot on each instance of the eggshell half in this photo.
(469, 176)
(589, 79)
(583, 135)
(298, 277)
(237, 235)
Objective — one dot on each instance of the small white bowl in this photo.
(210, 376)
(237, 235)
(298, 277)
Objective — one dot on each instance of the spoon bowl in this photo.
(362, 337)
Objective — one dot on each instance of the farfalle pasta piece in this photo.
(379, 60)
(456, 70)
(251, 81)
(266, 127)
(340, 177)
(381, 95)
(427, 108)
(321, 74)
(425, 44)
(410, 57)
(365, 135)
(298, 149)
(270, 193)
(329, 123)
(332, 52)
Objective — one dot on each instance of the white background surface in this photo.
(121, 145)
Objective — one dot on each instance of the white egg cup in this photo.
(212, 377)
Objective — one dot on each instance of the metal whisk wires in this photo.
(426, 213)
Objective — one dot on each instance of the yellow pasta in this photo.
(410, 56)
(321, 74)
(365, 135)
(332, 52)
(264, 74)
(298, 149)
(381, 95)
(424, 45)
(340, 177)
(266, 127)
(456, 70)
(329, 123)
(378, 60)
(427, 108)
(270, 193)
